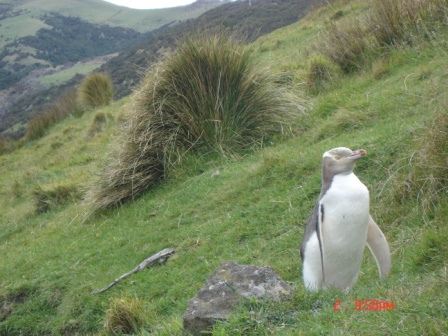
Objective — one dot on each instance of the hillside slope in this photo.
(253, 211)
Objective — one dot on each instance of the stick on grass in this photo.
(161, 257)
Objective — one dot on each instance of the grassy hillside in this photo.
(394, 105)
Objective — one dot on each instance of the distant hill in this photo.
(70, 39)
(42, 33)
(14, 13)
(261, 18)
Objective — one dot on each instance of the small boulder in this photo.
(222, 292)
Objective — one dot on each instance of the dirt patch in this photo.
(71, 330)
(9, 303)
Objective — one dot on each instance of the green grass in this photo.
(252, 212)
(66, 74)
(15, 27)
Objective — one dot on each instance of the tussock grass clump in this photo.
(320, 74)
(388, 23)
(403, 22)
(65, 105)
(99, 124)
(48, 197)
(40, 123)
(217, 95)
(209, 95)
(126, 315)
(68, 101)
(427, 179)
(7, 144)
(96, 90)
(380, 69)
(431, 175)
(345, 45)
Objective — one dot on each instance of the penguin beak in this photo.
(357, 154)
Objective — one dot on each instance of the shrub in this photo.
(427, 179)
(126, 315)
(40, 123)
(7, 144)
(379, 69)
(345, 45)
(403, 22)
(65, 105)
(96, 90)
(68, 102)
(208, 95)
(320, 73)
(431, 174)
(388, 23)
(99, 124)
(51, 196)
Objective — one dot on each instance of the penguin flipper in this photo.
(377, 243)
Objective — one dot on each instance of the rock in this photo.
(229, 284)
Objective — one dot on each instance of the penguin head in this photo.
(340, 160)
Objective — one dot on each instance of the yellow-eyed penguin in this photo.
(340, 226)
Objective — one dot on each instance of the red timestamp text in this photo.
(361, 305)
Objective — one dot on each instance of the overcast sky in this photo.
(149, 4)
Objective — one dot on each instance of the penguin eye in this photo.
(337, 157)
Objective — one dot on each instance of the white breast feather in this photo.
(344, 230)
(312, 268)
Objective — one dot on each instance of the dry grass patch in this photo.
(7, 144)
(345, 44)
(99, 124)
(64, 106)
(126, 315)
(427, 179)
(388, 23)
(96, 90)
(48, 197)
(320, 74)
(403, 22)
(380, 69)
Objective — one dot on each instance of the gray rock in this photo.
(229, 284)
